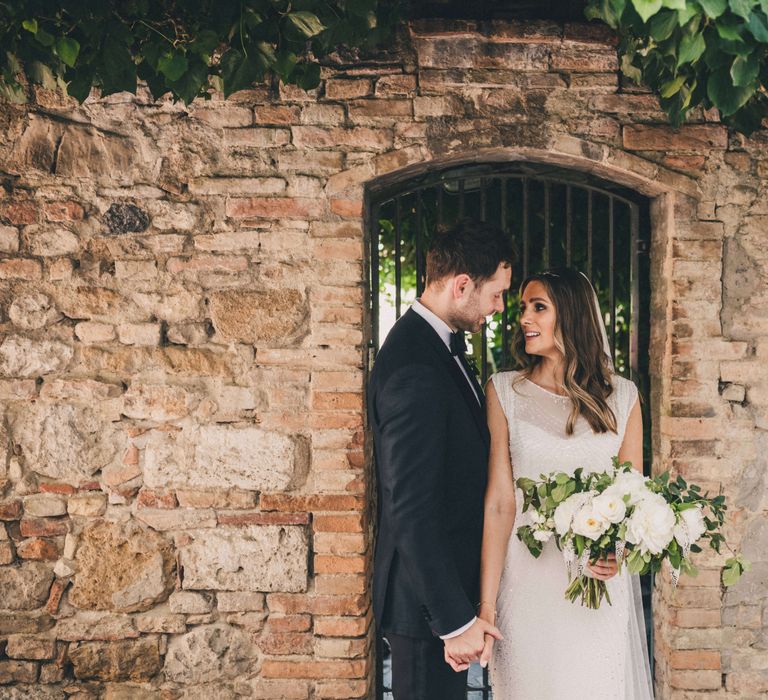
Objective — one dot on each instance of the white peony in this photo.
(536, 517)
(589, 523)
(610, 506)
(651, 524)
(567, 509)
(542, 535)
(631, 483)
(690, 526)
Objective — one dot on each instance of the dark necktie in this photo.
(458, 344)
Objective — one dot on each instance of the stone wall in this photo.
(185, 501)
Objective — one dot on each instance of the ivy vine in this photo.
(181, 47)
(710, 53)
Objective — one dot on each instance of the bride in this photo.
(564, 409)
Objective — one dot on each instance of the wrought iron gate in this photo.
(555, 217)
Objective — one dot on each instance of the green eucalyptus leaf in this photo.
(731, 574)
(691, 48)
(44, 37)
(172, 65)
(674, 4)
(306, 22)
(80, 86)
(30, 25)
(744, 70)
(687, 14)
(729, 29)
(67, 49)
(713, 8)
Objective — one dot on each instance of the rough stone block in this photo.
(189, 602)
(259, 317)
(32, 311)
(145, 334)
(25, 587)
(94, 333)
(156, 402)
(9, 239)
(37, 549)
(65, 442)
(209, 654)
(136, 660)
(224, 456)
(46, 242)
(87, 504)
(24, 646)
(17, 672)
(44, 505)
(255, 558)
(22, 357)
(100, 626)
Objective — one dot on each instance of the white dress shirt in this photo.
(445, 332)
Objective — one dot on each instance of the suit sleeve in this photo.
(412, 411)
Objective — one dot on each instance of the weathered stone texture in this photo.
(258, 317)
(65, 442)
(209, 654)
(227, 455)
(135, 660)
(25, 587)
(254, 558)
(122, 568)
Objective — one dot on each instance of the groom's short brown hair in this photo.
(471, 247)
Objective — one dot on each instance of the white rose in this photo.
(542, 535)
(690, 526)
(631, 483)
(610, 506)
(589, 523)
(651, 524)
(564, 513)
(536, 517)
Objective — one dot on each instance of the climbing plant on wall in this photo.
(695, 52)
(177, 46)
(709, 53)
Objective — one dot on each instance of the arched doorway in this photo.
(556, 217)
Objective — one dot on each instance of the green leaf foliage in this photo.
(695, 53)
(184, 49)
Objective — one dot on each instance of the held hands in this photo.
(471, 645)
(604, 569)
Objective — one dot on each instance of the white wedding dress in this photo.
(554, 649)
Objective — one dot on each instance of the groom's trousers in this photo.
(420, 672)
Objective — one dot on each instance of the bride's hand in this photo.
(604, 569)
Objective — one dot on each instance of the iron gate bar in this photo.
(590, 221)
(634, 312)
(526, 244)
(419, 256)
(611, 286)
(398, 255)
(547, 223)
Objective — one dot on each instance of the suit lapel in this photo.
(475, 407)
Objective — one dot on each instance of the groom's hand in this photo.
(468, 646)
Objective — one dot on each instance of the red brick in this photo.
(260, 518)
(6, 552)
(341, 690)
(695, 659)
(340, 543)
(289, 623)
(389, 85)
(349, 208)
(582, 59)
(44, 527)
(696, 137)
(696, 680)
(339, 584)
(63, 211)
(283, 643)
(683, 617)
(19, 213)
(274, 207)
(10, 510)
(149, 498)
(356, 138)
(315, 503)
(54, 597)
(208, 263)
(294, 603)
(341, 626)
(326, 564)
(313, 669)
(276, 114)
(341, 89)
(37, 549)
(53, 487)
(353, 522)
(20, 268)
(381, 108)
(337, 401)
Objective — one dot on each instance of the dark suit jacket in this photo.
(431, 445)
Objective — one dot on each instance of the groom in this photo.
(431, 444)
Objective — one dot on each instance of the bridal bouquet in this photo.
(644, 521)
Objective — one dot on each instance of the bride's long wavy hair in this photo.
(587, 377)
